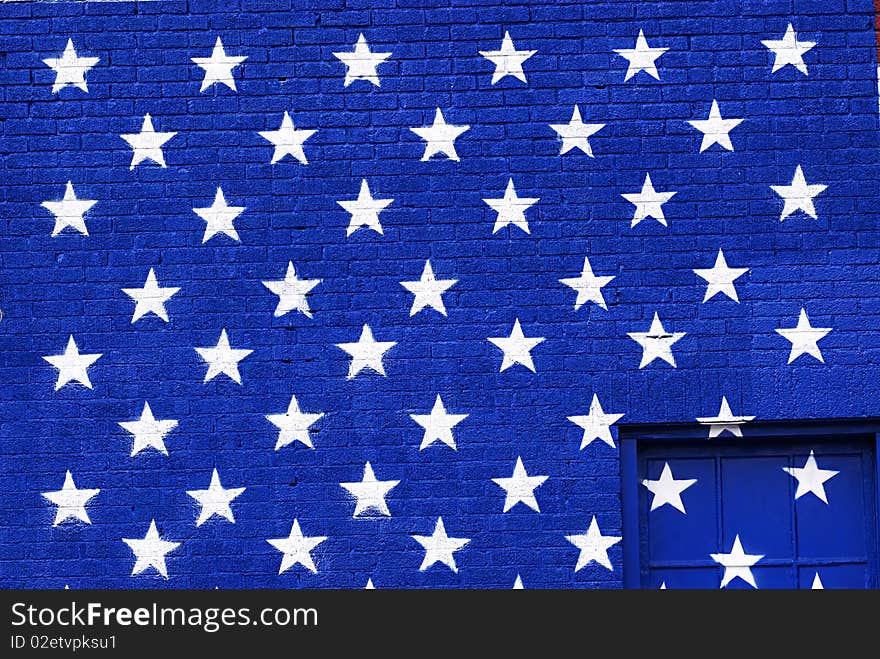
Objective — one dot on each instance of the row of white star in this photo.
(362, 63)
(667, 489)
(367, 353)
(510, 209)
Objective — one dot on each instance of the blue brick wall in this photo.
(70, 284)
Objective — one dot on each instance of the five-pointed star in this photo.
(789, 50)
(804, 338)
(148, 431)
(219, 217)
(150, 551)
(576, 134)
(360, 64)
(370, 493)
(668, 490)
(440, 137)
(817, 583)
(737, 564)
(715, 130)
(648, 202)
(810, 478)
(297, 548)
(593, 545)
(720, 278)
(428, 291)
(588, 286)
(292, 292)
(71, 501)
(293, 425)
(147, 145)
(516, 348)
(511, 209)
(215, 500)
(218, 67)
(438, 425)
(70, 69)
(597, 424)
(508, 60)
(656, 343)
(798, 195)
(222, 358)
(287, 140)
(724, 422)
(641, 58)
(151, 298)
(366, 353)
(520, 487)
(69, 211)
(439, 547)
(72, 366)
(364, 210)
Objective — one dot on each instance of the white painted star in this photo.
(293, 425)
(668, 490)
(370, 493)
(147, 145)
(69, 212)
(720, 278)
(656, 343)
(597, 424)
(508, 60)
(594, 546)
(218, 67)
(369, 585)
(438, 425)
(641, 58)
(151, 298)
(70, 69)
(72, 366)
(148, 431)
(222, 358)
(518, 583)
(292, 292)
(219, 217)
(511, 209)
(366, 353)
(715, 129)
(789, 50)
(648, 202)
(288, 140)
(588, 286)
(737, 564)
(297, 548)
(798, 195)
(810, 478)
(725, 421)
(804, 338)
(516, 348)
(150, 551)
(440, 137)
(439, 547)
(817, 583)
(428, 291)
(360, 64)
(364, 210)
(663, 586)
(576, 134)
(215, 500)
(520, 487)
(71, 501)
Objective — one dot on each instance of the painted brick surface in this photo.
(70, 284)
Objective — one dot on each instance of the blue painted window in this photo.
(744, 489)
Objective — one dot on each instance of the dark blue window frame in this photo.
(632, 437)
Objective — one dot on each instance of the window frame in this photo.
(631, 435)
